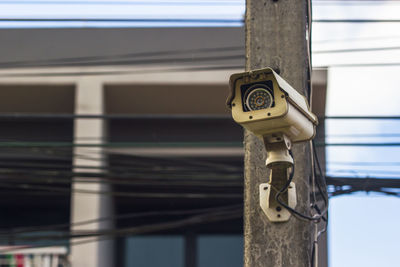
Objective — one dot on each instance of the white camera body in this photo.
(265, 104)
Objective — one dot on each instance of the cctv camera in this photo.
(265, 104)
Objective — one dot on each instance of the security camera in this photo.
(266, 105)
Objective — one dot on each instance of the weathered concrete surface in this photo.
(276, 37)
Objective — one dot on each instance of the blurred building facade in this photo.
(129, 124)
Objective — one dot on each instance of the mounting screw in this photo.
(278, 208)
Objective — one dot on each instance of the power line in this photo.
(138, 62)
(110, 60)
(357, 38)
(361, 135)
(16, 115)
(208, 217)
(146, 214)
(353, 3)
(364, 182)
(121, 144)
(114, 116)
(22, 144)
(365, 163)
(366, 170)
(160, 195)
(130, 3)
(361, 118)
(362, 65)
(394, 144)
(167, 20)
(352, 50)
(125, 58)
(122, 56)
(356, 20)
(161, 20)
(96, 73)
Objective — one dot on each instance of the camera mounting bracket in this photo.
(279, 161)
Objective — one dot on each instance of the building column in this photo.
(89, 99)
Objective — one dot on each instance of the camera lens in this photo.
(258, 98)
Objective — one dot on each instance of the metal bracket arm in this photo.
(274, 211)
(279, 161)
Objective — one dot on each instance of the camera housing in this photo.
(265, 104)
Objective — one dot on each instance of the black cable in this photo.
(361, 118)
(22, 144)
(159, 20)
(23, 116)
(147, 117)
(352, 2)
(365, 163)
(366, 65)
(129, 3)
(125, 173)
(315, 218)
(15, 231)
(391, 144)
(357, 38)
(174, 20)
(209, 217)
(356, 20)
(162, 195)
(97, 73)
(321, 188)
(144, 161)
(352, 50)
(125, 56)
(132, 62)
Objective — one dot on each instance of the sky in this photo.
(364, 229)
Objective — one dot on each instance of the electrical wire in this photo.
(10, 233)
(365, 38)
(22, 144)
(362, 65)
(132, 72)
(209, 217)
(175, 20)
(352, 50)
(128, 3)
(321, 182)
(361, 118)
(155, 195)
(356, 20)
(21, 116)
(315, 218)
(365, 163)
(135, 62)
(149, 55)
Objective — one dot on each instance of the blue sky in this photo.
(364, 229)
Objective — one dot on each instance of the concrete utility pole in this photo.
(276, 37)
